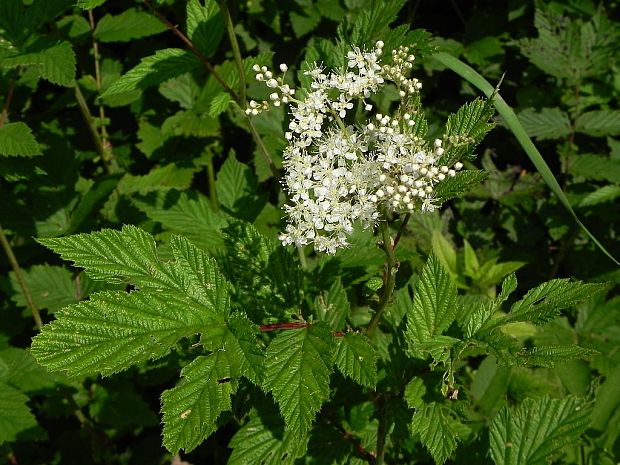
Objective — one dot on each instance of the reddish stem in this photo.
(292, 325)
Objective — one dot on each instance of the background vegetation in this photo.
(78, 154)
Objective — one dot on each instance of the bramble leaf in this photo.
(537, 430)
(434, 305)
(16, 140)
(54, 63)
(114, 330)
(436, 427)
(297, 368)
(205, 26)
(548, 123)
(130, 24)
(153, 70)
(15, 416)
(192, 408)
(357, 359)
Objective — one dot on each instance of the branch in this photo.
(292, 325)
(7, 102)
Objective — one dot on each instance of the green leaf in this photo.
(549, 123)
(192, 408)
(19, 369)
(15, 416)
(414, 392)
(460, 184)
(264, 441)
(445, 253)
(115, 330)
(236, 188)
(599, 123)
(357, 359)
(54, 63)
(466, 128)
(16, 140)
(507, 113)
(298, 365)
(333, 306)
(90, 4)
(153, 70)
(596, 167)
(219, 104)
(238, 339)
(550, 356)
(130, 24)
(470, 260)
(434, 304)
(193, 218)
(537, 430)
(544, 302)
(604, 194)
(114, 256)
(436, 426)
(205, 26)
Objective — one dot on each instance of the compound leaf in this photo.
(537, 430)
(298, 365)
(192, 408)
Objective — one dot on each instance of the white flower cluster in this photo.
(337, 173)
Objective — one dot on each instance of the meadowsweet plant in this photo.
(287, 263)
(339, 172)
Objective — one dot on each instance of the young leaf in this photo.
(115, 330)
(16, 140)
(550, 356)
(543, 303)
(461, 183)
(333, 306)
(236, 188)
(434, 304)
(130, 24)
(604, 194)
(264, 440)
(192, 408)
(599, 123)
(436, 427)
(549, 123)
(15, 416)
(357, 359)
(54, 63)
(152, 71)
(537, 430)
(298, 365)
(414, 392)
(205, 26)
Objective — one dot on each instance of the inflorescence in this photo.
(336, 173)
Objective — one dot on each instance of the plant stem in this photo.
(381, 433)
(7, 101)
(230, 29)
(211, 180)
(403, 225)
(20, 279)
(389, 281)
(241, 70)
(106, 154)
(302, 257)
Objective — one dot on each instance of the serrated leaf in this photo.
(219, 104)
(460, 184)
(130, 24)
(16, 140)
(205, 25)
(333, 306)
(54, 63)
(466, 128)
(434, 424)
(548, 123)
(596, 167)
(537, 430)
(599, 123)
(114, 256)
(604, 194)
(15, 416)
(414, 392)
(115, 330)
(297, 368)
(550, 356)
(434, 304)
(192, 408)
(236, 188)
(153, 70)
(193, 218)
(444, 251)
(264, 441)
(89, 4)
(545, 301)
(357, 359)
(19, 369)
(238, 338)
